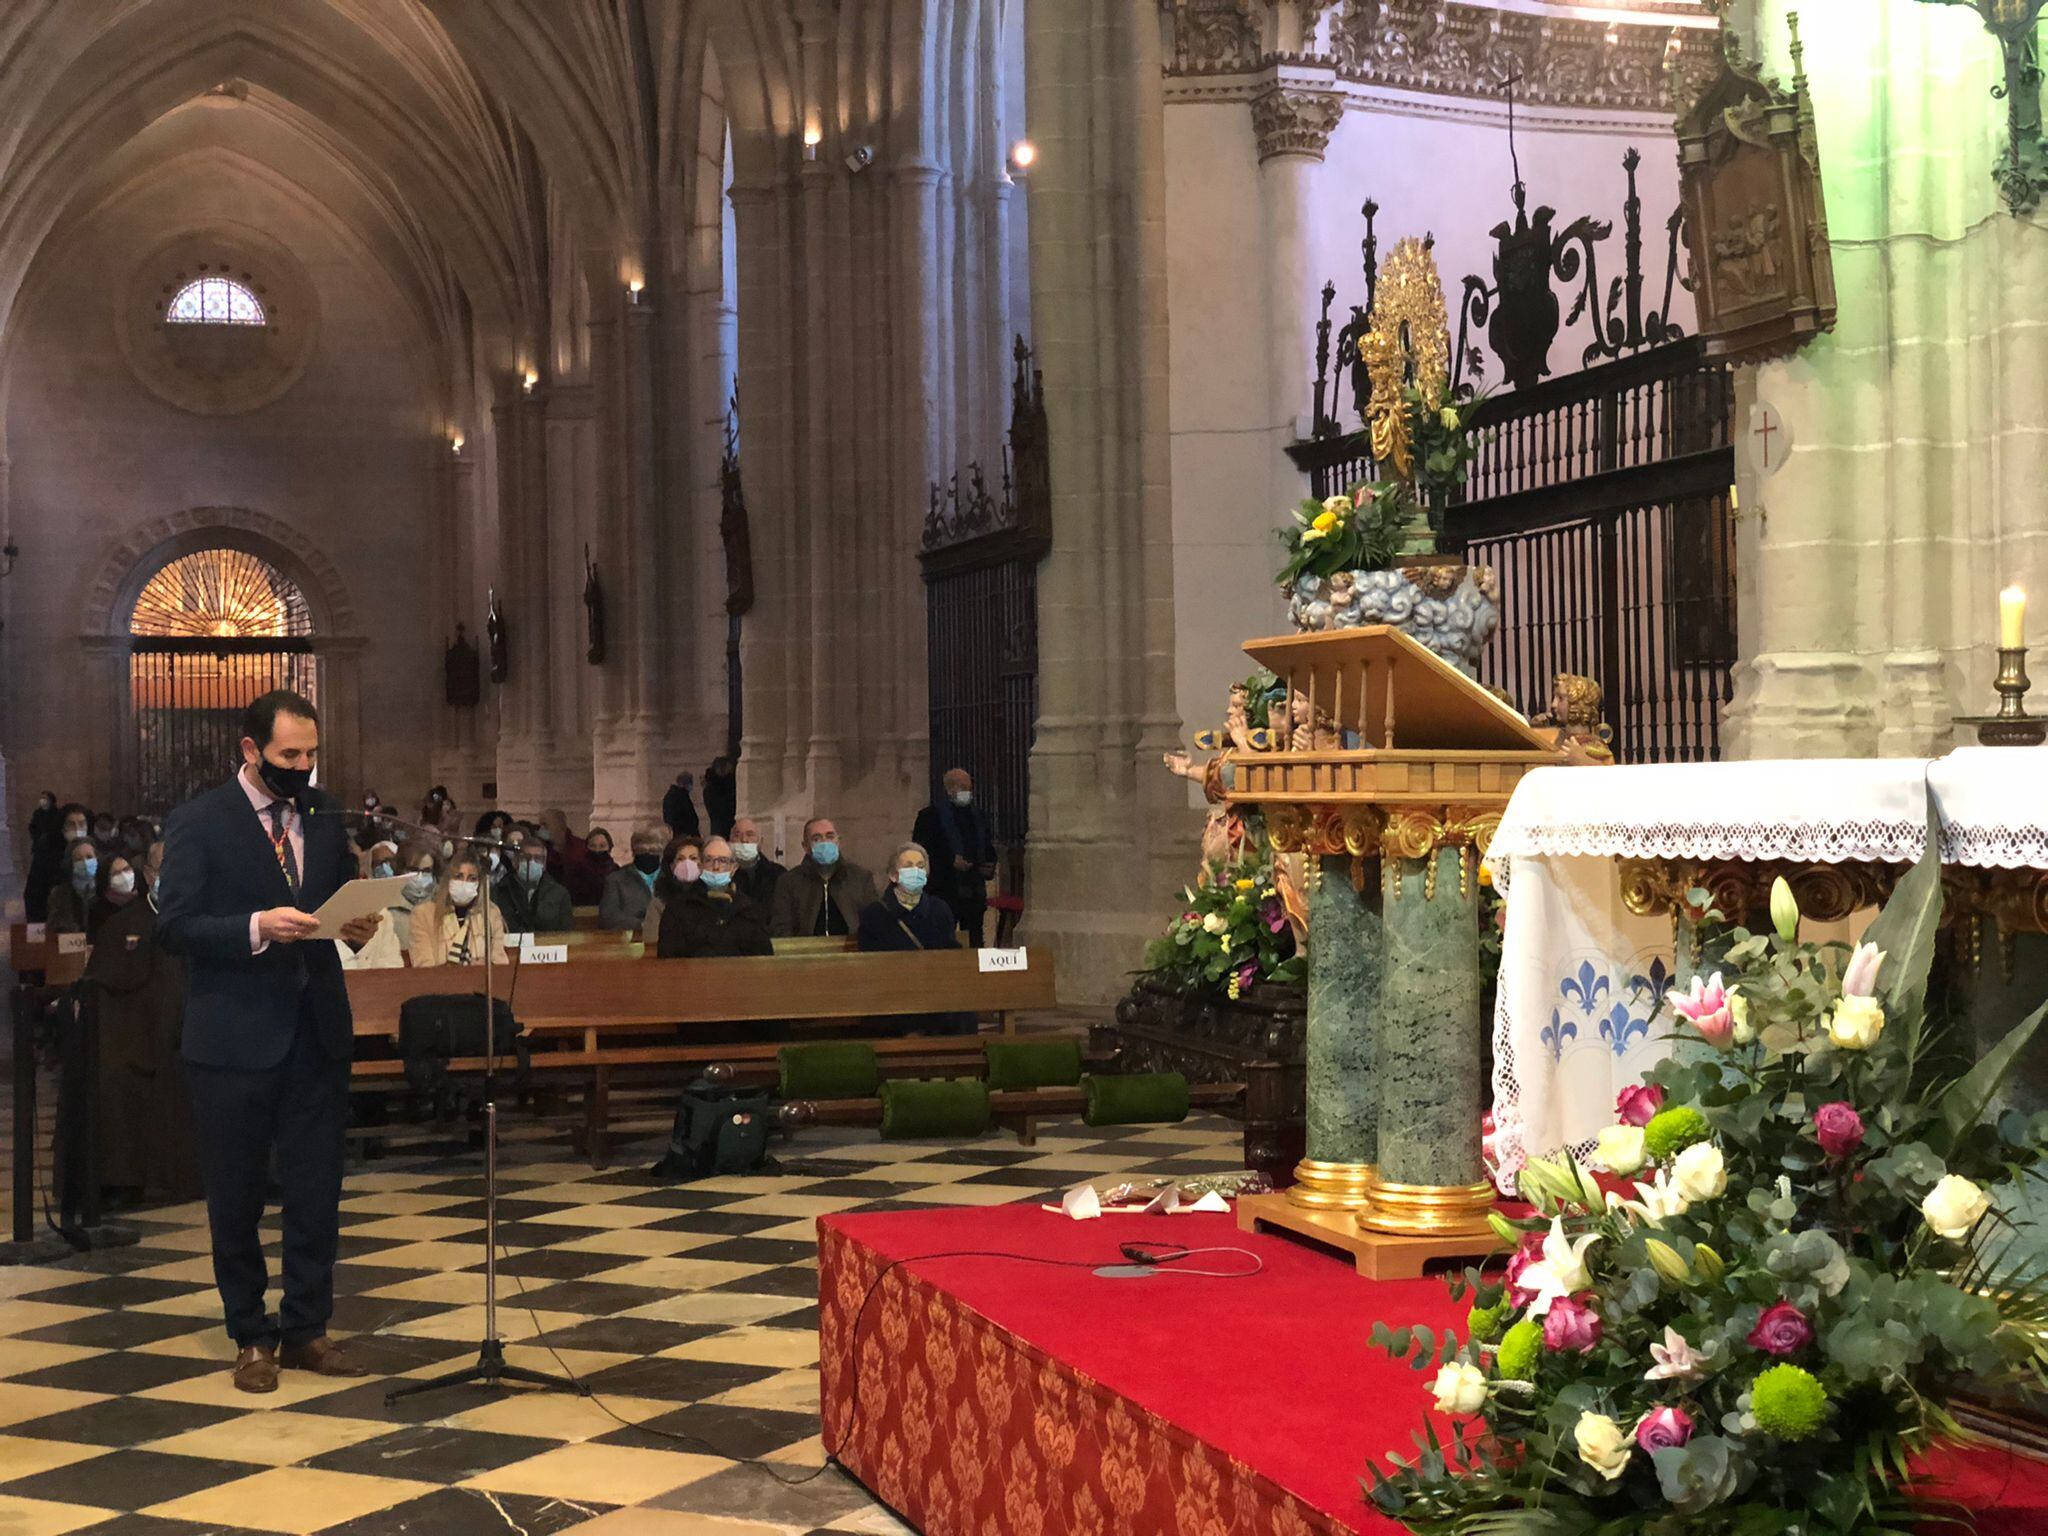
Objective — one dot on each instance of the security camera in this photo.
(860, 158)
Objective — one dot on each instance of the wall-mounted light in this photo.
(455, 443)
(532, 378)
(633, 290)
(1023, 156)
(860, 157)
(813, 137)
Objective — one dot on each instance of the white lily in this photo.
(1675, 1359)
(1562, 1269)
(1657, 1201)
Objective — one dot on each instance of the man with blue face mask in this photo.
(955, 829)
(825, 894)
(711, 918)
(533, 900)
(72, 902)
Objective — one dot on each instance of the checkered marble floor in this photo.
(689, 1309)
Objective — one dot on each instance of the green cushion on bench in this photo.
(1135, 1098)
(1033, 1064)
(828, 1070)
(951, 1106)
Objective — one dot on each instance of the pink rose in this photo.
(1781, 1330)
(1664, 1429)
(1639, 1105)
(1839, 1128)
(1527, 1252)
(1572, 1325)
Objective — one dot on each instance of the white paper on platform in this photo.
(1081, 1202)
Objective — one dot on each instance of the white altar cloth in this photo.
(1581, 976)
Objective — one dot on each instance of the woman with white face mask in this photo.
(452, 928)
(421, 867)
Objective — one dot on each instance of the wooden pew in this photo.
(596, 1021)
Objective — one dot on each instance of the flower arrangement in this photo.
(1442, 443)
(1361, 531)
(1233, 934)
(1760, 1336)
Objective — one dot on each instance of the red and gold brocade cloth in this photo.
(1007, 1398)
(1003, 1398)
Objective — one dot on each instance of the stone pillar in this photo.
(1293, 127)
(1431, 1177)
(1346, 962)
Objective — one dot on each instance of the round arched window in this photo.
(220, 594)
(214, 301)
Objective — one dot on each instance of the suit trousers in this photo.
(297, 1109)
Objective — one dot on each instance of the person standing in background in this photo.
(721, 795)
(955, 830)
(49, 836)
(268, 1035)
(678, 811)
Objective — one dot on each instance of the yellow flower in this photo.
(1324, 522)
(1485, 873)
(1244, 885)
(1310, 533)
(1449, 418)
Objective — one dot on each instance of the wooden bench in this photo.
(599, 1022)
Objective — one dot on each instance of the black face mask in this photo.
(600, 855)
(647, 863)
(285, 783)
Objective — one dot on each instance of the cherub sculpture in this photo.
(1232, 839)
(1574, 713)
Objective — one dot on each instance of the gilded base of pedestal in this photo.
(1331, 1186)
(1428, 1210)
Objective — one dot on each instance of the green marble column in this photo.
(1429, 1028)
(1344, 972)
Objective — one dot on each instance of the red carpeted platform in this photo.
(987, 1394)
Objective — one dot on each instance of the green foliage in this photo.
(1233, 934)
(1815, 1439)
(1356, 532)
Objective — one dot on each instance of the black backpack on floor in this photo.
(718, 1130)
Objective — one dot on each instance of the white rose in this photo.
(1216, 922)
(1700, 1173)
(1620, 1149)
(1954, 1206)
(1460, 1388)
(1602, 1445)
(1856, 1023)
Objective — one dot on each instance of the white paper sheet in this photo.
(358, 898)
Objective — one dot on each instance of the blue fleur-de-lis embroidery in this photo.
(1621, 1026)
(1555, 1033)
(1649, 987)
(1585, 988)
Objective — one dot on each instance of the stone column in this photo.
(1431, 1177)
(1293, 127)
(1346, 961)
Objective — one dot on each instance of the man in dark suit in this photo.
(955, 834)
(267, 1035)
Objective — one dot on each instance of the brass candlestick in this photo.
(2012, 726)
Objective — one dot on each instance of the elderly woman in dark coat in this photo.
(909, 917)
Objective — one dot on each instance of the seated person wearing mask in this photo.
(533, 900)
(754, 873)
(824, 894)
(681, 865)
(118, 884)
(909, 917)
(586, 871)
(75, 900)
(623, 906)
(450, 929)
(712, 918)
(422, 874)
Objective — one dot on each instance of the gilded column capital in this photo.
(1292, 121)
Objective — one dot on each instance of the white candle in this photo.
(2012, 619)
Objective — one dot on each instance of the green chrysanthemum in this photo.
(1788, 1402)
(1483, 1323)
(1519, 1350)
(1671, 1131)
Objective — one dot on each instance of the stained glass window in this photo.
(223, 594)
(215, 301)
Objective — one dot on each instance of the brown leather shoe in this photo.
(321, 1357)
(256, 1369)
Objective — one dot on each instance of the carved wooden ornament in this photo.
(1756, 224)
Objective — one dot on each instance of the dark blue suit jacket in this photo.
(241, 1010)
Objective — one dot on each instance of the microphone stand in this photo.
(491, 1368)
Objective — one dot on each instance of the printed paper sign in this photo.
(70, 943)
(1004, 959)
(36, 933)
(545, 954)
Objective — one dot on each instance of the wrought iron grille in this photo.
(188, 696)
(981, 551)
